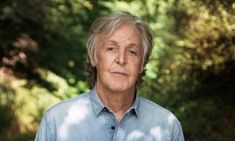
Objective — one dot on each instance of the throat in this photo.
(119, 109)
(119, 103)
(118, 116)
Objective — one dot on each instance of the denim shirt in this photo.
(85, 118)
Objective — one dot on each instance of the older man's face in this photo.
(119, 59)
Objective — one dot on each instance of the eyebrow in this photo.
(134, 46)
(130, 45)
(111, 41)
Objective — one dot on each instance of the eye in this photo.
(110, 48)
(133, 52)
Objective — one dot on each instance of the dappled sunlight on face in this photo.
(76, 114)
(135, 135)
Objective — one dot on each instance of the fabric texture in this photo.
(85, 118)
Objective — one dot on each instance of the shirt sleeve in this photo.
(178, 133)
(45, 132)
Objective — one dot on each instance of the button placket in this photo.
(110, 124)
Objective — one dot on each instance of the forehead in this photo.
(125, 33)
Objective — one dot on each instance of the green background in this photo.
(191, 71)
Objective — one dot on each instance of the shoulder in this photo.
(153, 107)
(65, 107)
(156, 113)
(157, 119)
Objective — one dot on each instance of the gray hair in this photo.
(109, 24)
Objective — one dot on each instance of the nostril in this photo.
(121, 60)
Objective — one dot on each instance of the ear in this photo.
(93, 63)
(94, 60)
(90, 61)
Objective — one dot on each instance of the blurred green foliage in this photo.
(191, 71)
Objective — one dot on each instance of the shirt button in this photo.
(112, 127)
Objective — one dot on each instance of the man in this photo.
(119, 46)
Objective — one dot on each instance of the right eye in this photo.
(110, 48)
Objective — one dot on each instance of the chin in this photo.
(120, 88)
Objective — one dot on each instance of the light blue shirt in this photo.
(85, 118)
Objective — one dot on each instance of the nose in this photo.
(121, 58)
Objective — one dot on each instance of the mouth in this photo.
(119, 73)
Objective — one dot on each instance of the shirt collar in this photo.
(136, 104)
(96, 103)
(98, 106)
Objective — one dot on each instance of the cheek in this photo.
(103, 62)
(136, 68)
(99, 58)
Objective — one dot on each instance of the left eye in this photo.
(133, 52)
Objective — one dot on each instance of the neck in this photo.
(118, 102)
